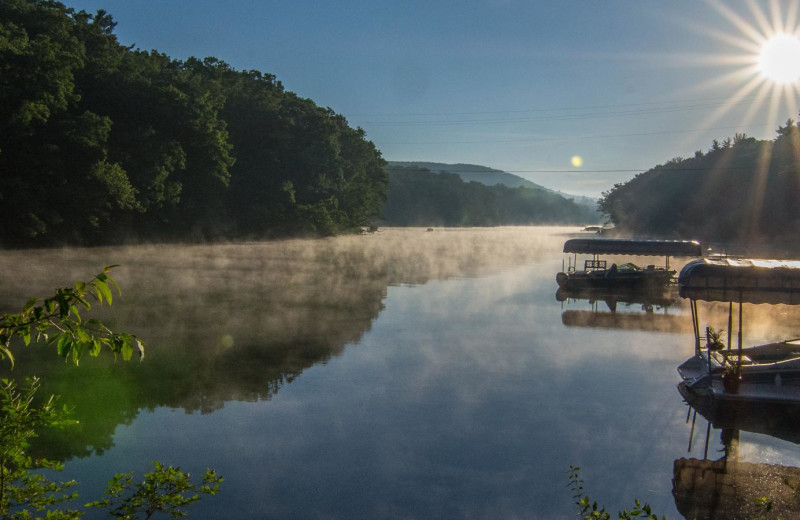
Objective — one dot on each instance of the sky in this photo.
(575, 96)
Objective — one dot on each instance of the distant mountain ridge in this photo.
(473, 173)
(490, 177)
(419, 196)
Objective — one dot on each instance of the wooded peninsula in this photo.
(742, 190)
(104, 143)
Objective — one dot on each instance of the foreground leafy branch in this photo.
(21, 490)
(589, 510)
(57, 321)
(165, 489)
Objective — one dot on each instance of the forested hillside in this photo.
(492, 177)
(419, 197)
(102, 143)
(472, 173)
(740, 190)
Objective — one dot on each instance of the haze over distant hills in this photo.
(490, 177)
(436, 194)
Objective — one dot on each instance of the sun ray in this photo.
(759, 190)
(744, 91)
(752, 112)
(774, 104)
(760, 74)
(777, 21)
(790, 95)
(715, 83)
(744, 44)
(743, 25)
(761, 19)
(791, 15)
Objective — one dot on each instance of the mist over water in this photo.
(403, 374)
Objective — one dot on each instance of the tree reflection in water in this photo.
(235, 322)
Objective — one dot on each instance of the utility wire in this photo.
(567, 138)
(568, 117)
(571, 108)
(614, 170)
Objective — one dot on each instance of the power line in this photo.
(568, 138)
(570, 117)
(613, 170)
(529, 110)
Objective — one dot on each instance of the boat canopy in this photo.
(741, 280)
(617, 246)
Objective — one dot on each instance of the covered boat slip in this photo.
(769, 372)
(741, 280)
(618, 246)
(628, 247)
(597, 274)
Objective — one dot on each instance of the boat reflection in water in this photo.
(655, 311)
(728, 487)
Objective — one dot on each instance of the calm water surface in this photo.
(405, 374)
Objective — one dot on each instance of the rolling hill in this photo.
(492, 177)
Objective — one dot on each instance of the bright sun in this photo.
(780, 59)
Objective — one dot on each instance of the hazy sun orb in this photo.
(780, 59)
(577, 161)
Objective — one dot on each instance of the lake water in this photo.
(403, 374)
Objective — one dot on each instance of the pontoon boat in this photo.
(768, 372)
(597, 274)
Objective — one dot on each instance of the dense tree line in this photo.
(418, 197)
(100, 142)
(740, 190)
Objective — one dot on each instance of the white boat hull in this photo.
(772, 382)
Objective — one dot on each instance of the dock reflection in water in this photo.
(660, 311)
(731, 487)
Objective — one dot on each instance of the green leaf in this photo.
(5, 353)
(116, 285)
(64, 345)
(102, 288)
(96, 348)
(127, 350)
(82, 335)
(77, 350)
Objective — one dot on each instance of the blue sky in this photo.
(519, 85)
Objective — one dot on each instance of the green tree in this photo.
(744, 191)
(100, 143)
(52, 151)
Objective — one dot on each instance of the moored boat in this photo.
(598, 275)
(769, 372)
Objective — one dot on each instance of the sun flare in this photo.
(780, 59)
(757, 57)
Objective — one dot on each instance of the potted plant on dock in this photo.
(714, 339)
(732, 377)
